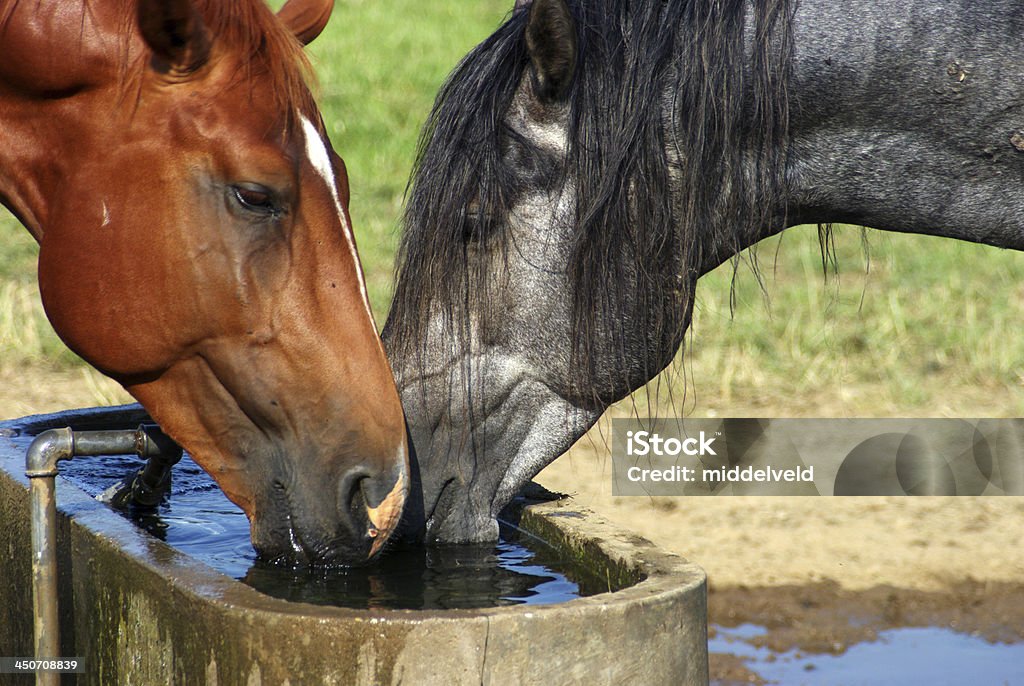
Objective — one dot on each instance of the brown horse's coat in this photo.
(195, 245)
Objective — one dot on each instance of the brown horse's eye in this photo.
(255, 198)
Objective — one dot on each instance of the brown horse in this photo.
(195, 246)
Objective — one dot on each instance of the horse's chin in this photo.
(301, 559)
(461, 530)
(455, 519)
(281, 546)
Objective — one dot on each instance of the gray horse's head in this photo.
(544, 272)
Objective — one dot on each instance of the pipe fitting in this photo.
(151, 442)
(46, 450)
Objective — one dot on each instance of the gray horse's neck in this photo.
(909, 119)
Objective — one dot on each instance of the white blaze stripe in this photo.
(321, 161)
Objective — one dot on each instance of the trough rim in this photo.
(664, 576)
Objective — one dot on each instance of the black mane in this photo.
(677, 138)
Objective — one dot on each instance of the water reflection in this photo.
(201, 522)
(447, 578)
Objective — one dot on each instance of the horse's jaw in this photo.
(467, 466)
(313, 494)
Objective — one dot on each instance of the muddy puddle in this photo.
(820, 635)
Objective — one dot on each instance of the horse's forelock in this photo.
(262, 44)
(250, 28)
(458, 164)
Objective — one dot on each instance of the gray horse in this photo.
(588, 162)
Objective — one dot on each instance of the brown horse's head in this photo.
(196, 246)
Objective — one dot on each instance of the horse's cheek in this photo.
(96, 307)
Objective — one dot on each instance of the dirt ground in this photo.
(927, 544)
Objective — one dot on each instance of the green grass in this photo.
(25, 334)
(930, 329)
(925, 326)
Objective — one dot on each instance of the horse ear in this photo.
(306, 18)
(551, 44)
(175, 33)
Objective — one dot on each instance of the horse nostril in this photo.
(384, 500)
(371, 504)
(352, 502)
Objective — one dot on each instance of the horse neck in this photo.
(57, 69)
(725, 240)
(913, 125)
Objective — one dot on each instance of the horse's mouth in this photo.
(386, 515)
(327, 556)
(432, 519)
(455, 519)
(291, 533)
(294, 550)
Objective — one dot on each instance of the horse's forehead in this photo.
(254, 86)
(316, 151)
(544, 126)
(247, 94)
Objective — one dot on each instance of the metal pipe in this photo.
(145, 487)
(104, 442)
(46, 451)
(41, 468)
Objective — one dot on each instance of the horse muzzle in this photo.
(311, 524)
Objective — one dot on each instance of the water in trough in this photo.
(200, 521)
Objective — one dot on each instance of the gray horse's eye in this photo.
(473, 220)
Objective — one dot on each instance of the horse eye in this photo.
(255, 198)
(472, 219)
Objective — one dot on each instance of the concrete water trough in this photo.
(137, 611)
